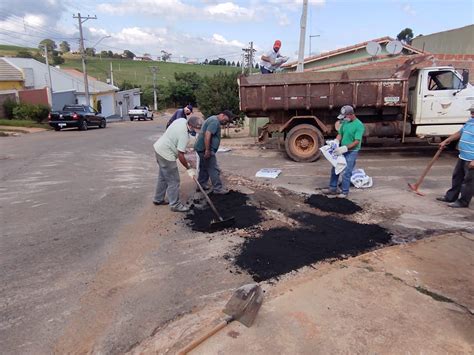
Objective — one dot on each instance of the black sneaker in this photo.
(158, 203)
(442, 199)
(457, 204)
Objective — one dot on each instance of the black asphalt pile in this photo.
(281, 250)
(337, 205)
(234, 204)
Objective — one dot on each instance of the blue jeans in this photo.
(208, 169)
(351, 158)
(264, 70)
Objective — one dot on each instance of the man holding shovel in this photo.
(206, 147)
(462, 188)
(169, 147)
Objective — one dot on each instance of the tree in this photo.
(104, 54)
(24, 54)
(48, 43)
(405, 35)
(238, 64)
(217, 93)
(128, 54)
(257, 66)
(165, 56)
(56, 59)
(64, 47)
(110, 54)
(206, 61)
(233, 63)
(147, 55)
(90, 52)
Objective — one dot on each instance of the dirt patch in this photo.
(234, 204)
(278, 251)
(336, 205)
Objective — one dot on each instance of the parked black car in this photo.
(80, 116)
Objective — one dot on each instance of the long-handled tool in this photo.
(221, 223)
(242, 307)
(414, 187)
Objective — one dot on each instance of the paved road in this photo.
(87, 262)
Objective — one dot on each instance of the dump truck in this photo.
(413, 100)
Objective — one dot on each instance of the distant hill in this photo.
(11, 51)
(139, 73)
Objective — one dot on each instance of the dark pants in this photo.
(462, 183)
(208, 169)
(265, 71)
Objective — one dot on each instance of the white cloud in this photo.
(219, 39)
(408, 9)
(230, 11)
(169, 8)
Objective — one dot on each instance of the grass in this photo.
(7, 50)
(139, 73)
(23, 123)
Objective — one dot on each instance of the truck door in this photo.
(439, 102)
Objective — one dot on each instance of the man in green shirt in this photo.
(350, 139)
(206, 147)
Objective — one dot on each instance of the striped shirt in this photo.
(466, 143)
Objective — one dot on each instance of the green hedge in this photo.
(37, 113)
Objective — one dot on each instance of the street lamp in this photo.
(100, 40)
(310, 37)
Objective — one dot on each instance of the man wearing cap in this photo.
(462, 185)
(180, 113)
(169, 147)
(206, 147)
(349, 140)
(272, 60)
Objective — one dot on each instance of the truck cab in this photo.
(439, 98)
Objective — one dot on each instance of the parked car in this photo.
(140, 113)
(80, 116)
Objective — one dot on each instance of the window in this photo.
(444, 80)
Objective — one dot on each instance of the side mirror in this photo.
(465, 77)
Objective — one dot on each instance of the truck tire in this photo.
(151, 118)
(83, 126)
(302, 143)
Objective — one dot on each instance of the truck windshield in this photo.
(444, 80)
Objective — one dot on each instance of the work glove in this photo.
(191, 172)
(341, 150)
(334, 143)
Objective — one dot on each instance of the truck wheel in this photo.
(151, 118)
(103, 123)
(131, 118)
(303, 142)
(57, 128)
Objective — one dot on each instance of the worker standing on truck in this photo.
(180, 113)
(169, 147)
(349, 141)
(462, 188)
(272, 60)
(206, 147)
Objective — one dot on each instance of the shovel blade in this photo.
(245, 303)
(225, 223)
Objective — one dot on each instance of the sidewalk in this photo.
(415, 298)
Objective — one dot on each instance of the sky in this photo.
(200, 29)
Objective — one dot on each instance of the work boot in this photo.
(222, 191)
(457, 204)
(331, 191)
(442, 199)
(179, 207)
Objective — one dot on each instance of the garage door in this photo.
(107, 103)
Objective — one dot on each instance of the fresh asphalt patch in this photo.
(336, 205)
(266, 248)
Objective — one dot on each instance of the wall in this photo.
(39, 96)
(63, 98)
(11, 85)
(129, 98)
(457, 41)
(107, 104)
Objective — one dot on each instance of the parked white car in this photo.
(140, 113)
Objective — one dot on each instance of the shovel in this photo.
(221, 223)
(242, 307)
(414, 187)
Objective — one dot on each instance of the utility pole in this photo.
(154, 70)
(81, 20)
(304, 16)
(247, 59)
(111, 74)
(49, 69)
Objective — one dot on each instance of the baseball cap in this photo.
(277, 43)
(229, 114)
(345, 110)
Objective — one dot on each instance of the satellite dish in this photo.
(394, 47)
(373, 48)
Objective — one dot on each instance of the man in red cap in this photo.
(272, 60)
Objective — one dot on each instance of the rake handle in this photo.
(214, 209)
(428, 167)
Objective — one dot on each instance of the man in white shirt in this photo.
(169, 147)
(272, 60)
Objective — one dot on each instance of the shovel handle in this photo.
(428, 167)
(208, 199)
(195, 343)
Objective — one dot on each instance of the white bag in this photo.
(360, 179)
(337, 161)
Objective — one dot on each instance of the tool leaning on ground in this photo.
(414, 187)
(220, 223)
(242, 307)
